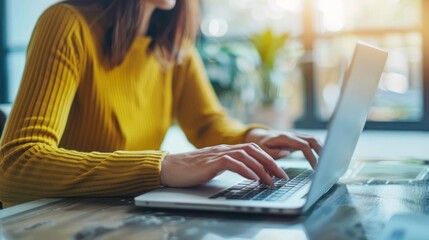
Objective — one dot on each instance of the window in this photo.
(20, 18)
(323, 34)
(337, 25)
(307, 70)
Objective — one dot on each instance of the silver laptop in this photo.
(231, 192)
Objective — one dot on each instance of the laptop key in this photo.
(253, 190)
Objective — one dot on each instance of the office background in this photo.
(281, 62)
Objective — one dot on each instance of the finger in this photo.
(242, 156)
(277, 153)
(294, 142)
(228, 163)
(264, 158)
(259, 155)
(246, 146)
(314, 142)
(305, 148)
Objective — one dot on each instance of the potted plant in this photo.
(267, 44)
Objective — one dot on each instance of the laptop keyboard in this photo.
(254, 190)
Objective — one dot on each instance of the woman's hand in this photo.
(281, 144)
(199, 166)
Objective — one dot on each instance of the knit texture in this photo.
(81, 128)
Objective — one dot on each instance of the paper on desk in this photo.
(386, 171)
(406, 227)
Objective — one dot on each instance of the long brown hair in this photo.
(169, 30)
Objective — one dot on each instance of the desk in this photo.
(345, 212)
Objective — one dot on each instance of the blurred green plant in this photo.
(267, 44)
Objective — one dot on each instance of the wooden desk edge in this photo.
(21, 208)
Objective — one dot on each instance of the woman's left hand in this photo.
(280, 144)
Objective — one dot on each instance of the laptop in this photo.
(233, 193)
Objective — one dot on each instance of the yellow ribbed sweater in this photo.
(80, 128)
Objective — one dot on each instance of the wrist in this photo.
(255, 135)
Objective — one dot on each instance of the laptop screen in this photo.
(348, 119)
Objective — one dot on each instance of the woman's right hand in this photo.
(199, 166)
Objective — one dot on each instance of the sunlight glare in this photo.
(289, 5)
(333, 14)
(394, 82)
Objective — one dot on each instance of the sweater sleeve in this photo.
(32, 165)
(198, 110)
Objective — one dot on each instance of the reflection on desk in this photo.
(346, 212)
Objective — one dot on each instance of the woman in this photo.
(104, 80)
